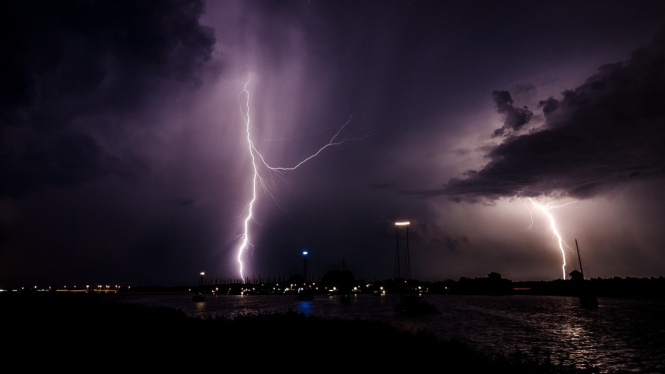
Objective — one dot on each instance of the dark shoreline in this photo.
(89, 322)
(493, 284)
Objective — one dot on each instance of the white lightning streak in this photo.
(330, 143)
(245, 237)
(555, 230)
(256, 155)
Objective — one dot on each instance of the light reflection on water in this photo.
(622, 334)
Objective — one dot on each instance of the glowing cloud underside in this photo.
(553, 226)
(257, 157)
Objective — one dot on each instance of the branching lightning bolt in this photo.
(553, 226)
(257, 157)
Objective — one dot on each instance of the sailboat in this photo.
(585, 292)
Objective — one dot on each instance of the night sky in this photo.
(124, 156)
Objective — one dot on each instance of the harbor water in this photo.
(621, 335)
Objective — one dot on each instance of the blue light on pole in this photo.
(304, 255)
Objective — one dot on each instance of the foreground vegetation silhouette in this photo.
(85, 329)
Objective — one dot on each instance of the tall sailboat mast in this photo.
(579, 258)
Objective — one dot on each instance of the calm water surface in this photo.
(621, 335)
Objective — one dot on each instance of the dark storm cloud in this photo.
(608, 131)
(67, 65)
(515, 118)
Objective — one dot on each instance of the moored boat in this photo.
(585, 292)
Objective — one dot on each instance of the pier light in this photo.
(405, 223)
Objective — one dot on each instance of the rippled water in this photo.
(622, 334)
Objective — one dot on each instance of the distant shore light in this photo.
(402, 223)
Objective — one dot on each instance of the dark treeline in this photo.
(343, 282)
(628, 287)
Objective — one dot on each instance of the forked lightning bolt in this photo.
(553, 226)
(257, 158)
